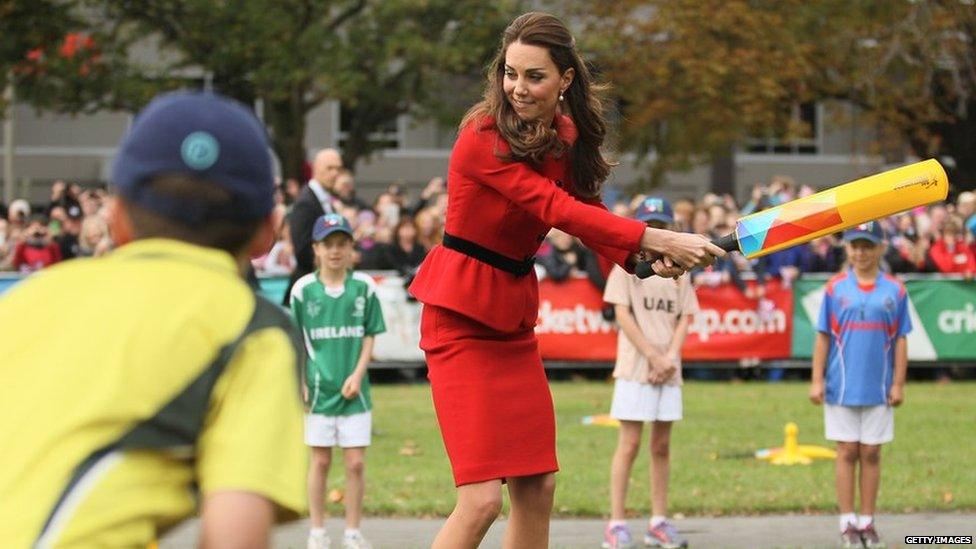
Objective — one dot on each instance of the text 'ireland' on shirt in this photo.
(334, 324)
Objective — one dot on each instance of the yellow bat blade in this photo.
(841, 207)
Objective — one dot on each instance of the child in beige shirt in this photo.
(653, 315)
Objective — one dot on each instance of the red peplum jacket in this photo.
(509, 207)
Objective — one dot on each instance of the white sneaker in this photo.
(318, 542)
(355, 541)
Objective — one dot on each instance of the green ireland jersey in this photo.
(334, 323)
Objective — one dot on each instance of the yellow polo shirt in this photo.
(133, 383)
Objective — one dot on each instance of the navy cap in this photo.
(865, 231)
(654, 208)
(203, 135)
(328, 224)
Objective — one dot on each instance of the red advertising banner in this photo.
(571, 324)
(729, 326)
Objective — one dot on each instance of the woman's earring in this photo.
(561, 96)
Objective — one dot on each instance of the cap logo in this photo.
(200, 150)
(654, 204)
(332, 220)
(866, 226)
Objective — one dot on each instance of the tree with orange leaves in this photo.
(696, 77)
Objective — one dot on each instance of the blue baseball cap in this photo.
(328, 224)
(654, 208)
(871, 230)
(202, 135)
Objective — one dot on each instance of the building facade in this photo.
(80, 149)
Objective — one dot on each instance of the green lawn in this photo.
(929, 466)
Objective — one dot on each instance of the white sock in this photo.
(317, 532)
(847, 518)
(863, 521)
(656, 520)
(352, 532)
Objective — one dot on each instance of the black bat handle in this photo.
(728, 243)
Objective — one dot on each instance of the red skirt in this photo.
(491, 396)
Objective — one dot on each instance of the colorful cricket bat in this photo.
(832, 210)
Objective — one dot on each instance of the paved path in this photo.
(744, 532)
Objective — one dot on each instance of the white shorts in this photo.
(634, 401)
(344, 431)
(865, 424)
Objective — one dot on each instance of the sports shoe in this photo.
(355, 541)
(870, 537)
(850, 537)
(318, 542)
(617, 537)
(664, 535)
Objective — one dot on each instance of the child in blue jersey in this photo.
(339, 315)
(861, 343)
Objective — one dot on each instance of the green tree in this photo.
(49, 59)
(42, 54)
(27, 25)
(379, 58)
(415, 57)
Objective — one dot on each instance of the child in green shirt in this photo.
(339, 315)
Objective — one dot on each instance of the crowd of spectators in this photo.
(397, 229)
(392, 233)
(71, 224)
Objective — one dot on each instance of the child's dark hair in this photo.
(224, 234)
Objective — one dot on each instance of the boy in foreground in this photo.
(163, 385)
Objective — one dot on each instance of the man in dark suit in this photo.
(315, 200)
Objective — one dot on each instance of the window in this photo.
(807, 118)
(389, 135)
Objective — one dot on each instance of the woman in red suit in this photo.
(527, 158)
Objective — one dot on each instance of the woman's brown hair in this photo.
(532, 141)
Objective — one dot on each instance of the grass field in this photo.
(929, 466)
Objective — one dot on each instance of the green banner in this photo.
(807, 295)
(947, 311)
(943, 313)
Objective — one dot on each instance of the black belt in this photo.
(484, 255)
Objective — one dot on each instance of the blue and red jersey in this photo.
(863, 322)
